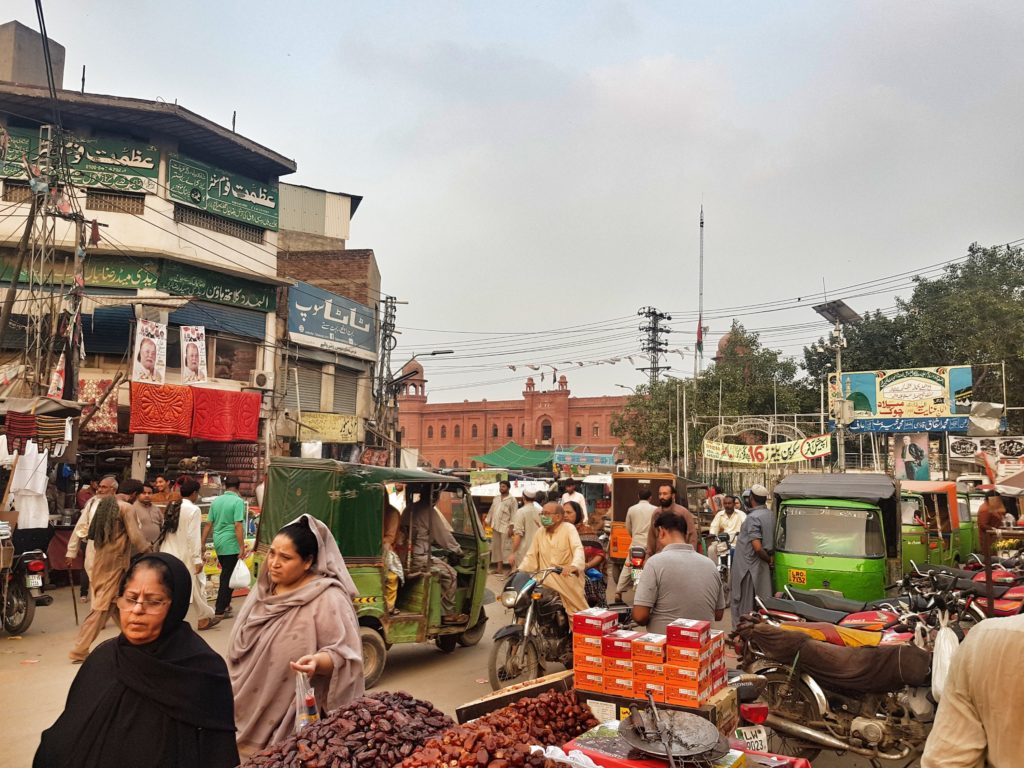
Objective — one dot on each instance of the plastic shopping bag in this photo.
(946, 643)
(240, 577)
(306, 709)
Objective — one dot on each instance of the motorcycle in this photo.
(637, 557)
(724, 561)
(19, 574)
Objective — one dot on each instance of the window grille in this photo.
(184, 214)
(115, 202)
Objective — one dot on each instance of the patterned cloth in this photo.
(51, 430)
(161, 409)
(224, 415)
(19, 427)
(91, 390)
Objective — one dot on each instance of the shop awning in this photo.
(514, 456)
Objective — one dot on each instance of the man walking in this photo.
(728, 521)
(227, 520)
(667, 502)
(751, 563)
(559, 544)
(638, 525)
(499, 518)
(105, 487)
(525, 524)
(571, 494)
(148, 515)
(677, 583)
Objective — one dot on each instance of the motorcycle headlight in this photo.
(509, 597)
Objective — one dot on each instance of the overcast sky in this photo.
(529, 168)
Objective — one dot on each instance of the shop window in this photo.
(457, 432)
(545, 430)
(444, 432)
(494, 430)
(430, 433)
(474, 432)
(508, 431)
(579, 430)
(234, 360)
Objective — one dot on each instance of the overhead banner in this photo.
(585, 459)
(193, 354)
(770, 453)
(224, 193)
(324, 320)
(905, 400)
(150, 356)
(964, 448)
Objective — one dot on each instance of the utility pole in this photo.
(652, 344)
(384, 396)
(838, 313)
(698, 355)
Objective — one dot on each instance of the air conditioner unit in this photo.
(261, 379)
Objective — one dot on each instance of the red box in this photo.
(594, 621)
(618, 667)
(589, 681)
(655, 687)
(619, 644)
(717, 640)
(591, 662)
(586, 644)
(689, 633)
(648, 670)
(650, 647)
(683, 656)
(696, 678)
(619, 685)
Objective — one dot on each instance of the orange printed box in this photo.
(614, 666)
(717, 640)
(619, 685)
(650, 647)
(684, 656)
(683, 696)
(593, 662)
(586, 644)
(648, 670)
(692, 676)
(589, 681)
(619, 644)
(656, 688)
(689, 632)
(594, 621)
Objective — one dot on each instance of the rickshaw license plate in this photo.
(34, 580)
(755, 737)
(797, 577)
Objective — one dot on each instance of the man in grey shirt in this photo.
(752, 560)
(638, 522)
(677, 583)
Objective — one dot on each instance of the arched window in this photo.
(545, 430)
(444, 432)
(473, 431)
(455, 464)
(430, 433)
(441, 464)
(522, 430)
(494, 430)
(508, 431)
(596, 430)
(472, 465)
(579, 430)
(457, 431)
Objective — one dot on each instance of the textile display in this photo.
(161, 409)
(19, 428)
(225, 416)
(52, 429)
(91, 390)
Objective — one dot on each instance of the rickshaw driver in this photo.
(429, 529)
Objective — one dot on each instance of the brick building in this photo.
(451, 434)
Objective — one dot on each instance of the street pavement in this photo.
(35, 674)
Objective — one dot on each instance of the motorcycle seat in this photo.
(809, 612)
(827, 601)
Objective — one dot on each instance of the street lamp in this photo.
(838, 312)
(629, 389)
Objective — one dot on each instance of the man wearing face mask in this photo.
(559, 544)
(667, 503)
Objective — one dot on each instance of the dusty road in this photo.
(35, 675)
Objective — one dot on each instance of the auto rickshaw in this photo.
(930, 521)
(625, 489)
(968, 505)
(351, 499)
(837, 533)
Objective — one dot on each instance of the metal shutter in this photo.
(345, 382)
(247, 323)
(309, 388)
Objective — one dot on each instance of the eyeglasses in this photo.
(148, 606)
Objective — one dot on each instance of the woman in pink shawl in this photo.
(298, 617)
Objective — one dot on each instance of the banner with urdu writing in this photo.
(224, 193)
(770, 453)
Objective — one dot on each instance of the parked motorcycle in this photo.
(724, 562)
(637, 557)
(19, 574)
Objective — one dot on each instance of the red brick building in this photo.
(451, 434)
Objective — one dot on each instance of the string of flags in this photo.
(590, 363)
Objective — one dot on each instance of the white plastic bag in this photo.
(240, 577)
(946, 643)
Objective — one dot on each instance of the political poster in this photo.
(149, 361)
(193, 354)
(910, 457)
(769, 453)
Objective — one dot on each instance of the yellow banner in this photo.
(330, 427)
(771, 453)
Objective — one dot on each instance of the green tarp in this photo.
(513, 456)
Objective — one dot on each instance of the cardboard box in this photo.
(592, 662)
(698, 677)
(586, 644)
(615, 666)
(619, 685)
(717, 639)
(594, 621)
(648, 670)
(642, 687)
(684, 696)
(650, 647)
(618, 644)
(590, 681)
(684, 656)
(689, 633)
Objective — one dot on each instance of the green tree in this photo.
(875, 342)
(648, 419)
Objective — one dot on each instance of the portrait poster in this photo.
(910, 457)
(149, 361)
(193, 354)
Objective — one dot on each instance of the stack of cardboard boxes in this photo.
(684, 667)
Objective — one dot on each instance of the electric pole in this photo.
(652, 344)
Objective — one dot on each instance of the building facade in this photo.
(450, 435)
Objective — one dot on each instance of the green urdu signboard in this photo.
(100, 272)
(185, 280)
(110, 163)
(221, 192)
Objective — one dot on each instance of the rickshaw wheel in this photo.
(446, 643)
(473, 635)
(374, 655)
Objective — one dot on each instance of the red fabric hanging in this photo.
(161, 409)
(247, 415)
(225, 416)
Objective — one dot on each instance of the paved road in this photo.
(35, 675)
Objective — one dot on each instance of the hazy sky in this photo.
(529, 168)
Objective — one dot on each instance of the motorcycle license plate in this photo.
(34, 580)
(754, 736)
(797, 576)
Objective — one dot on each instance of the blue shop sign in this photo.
(324, 320)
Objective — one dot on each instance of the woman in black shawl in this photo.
(156, 695)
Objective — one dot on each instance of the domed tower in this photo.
(412, 399)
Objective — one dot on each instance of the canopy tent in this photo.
(514, 456)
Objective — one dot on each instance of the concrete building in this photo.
(451, 434)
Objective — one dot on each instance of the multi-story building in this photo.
(452, 434)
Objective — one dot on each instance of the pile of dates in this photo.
(502, 739)
(376, 731)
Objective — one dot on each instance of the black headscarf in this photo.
(164, 703)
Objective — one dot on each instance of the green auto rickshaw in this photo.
(932, 529)
(351, 499)
(838, 533)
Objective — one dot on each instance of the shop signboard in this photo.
(149, 359)
(770, 453)
(21, 142)
(224, 193)
(329, 427)
(193, 354)
(964, 448)
(120, 272)
(206, 285)
(585, 459)
(905, 400)
(318, 318)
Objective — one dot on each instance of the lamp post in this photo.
(840, 313)
(392, 395)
